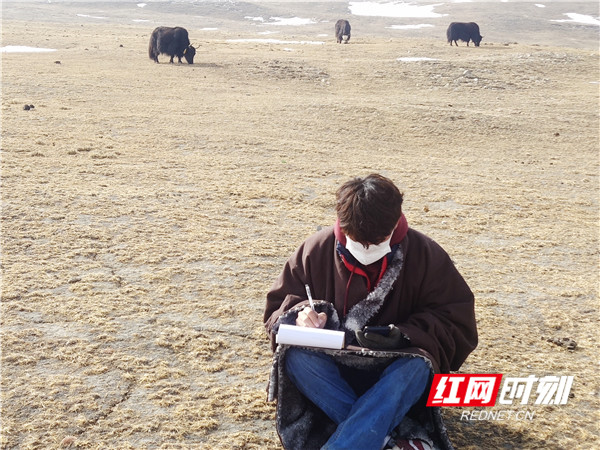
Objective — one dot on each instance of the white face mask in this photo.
(369, 255)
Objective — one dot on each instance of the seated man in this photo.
(371, 269)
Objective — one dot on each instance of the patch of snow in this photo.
(415, 58)
(24, 49)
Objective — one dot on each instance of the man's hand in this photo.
(396, 339)
(309, 318)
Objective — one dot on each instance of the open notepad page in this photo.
(310, 337)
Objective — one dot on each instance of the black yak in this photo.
(342, 28)
(172, 41)
(464, 31)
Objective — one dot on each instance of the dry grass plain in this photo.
(147, 208)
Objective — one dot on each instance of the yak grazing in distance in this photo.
(465, 32)
(172, 41)
(342, 28)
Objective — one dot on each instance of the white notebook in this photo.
(310, 337)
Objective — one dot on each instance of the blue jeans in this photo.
(363, 420)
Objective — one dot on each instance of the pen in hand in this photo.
(310, 299)
(311, 318)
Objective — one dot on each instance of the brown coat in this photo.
(429, 300)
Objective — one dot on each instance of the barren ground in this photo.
(146, 209)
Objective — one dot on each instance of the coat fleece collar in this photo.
(359, 314)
